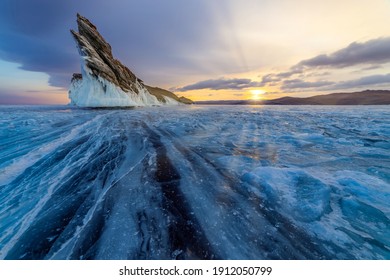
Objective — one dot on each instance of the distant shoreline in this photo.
(367, 97)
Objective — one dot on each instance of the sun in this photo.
(257, 93)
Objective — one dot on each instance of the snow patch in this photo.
(98, 92)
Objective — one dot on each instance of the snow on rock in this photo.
(92, 92)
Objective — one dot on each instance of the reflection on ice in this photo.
(195, 183)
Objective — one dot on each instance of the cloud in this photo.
(271, 79)
(317, 74)
(37, 56)
(293, 71)
(376, 51)
(301, 84)
(362, 82)
(371, 54)
(219, 84)
(372, 67)
(36, 35)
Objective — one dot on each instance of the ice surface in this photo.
(209, 182)
(292, 191)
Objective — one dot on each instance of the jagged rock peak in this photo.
(104, 81)
(99, 59)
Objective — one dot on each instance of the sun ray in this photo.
(257, 93)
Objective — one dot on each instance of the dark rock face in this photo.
(99, 56)
(76, 77)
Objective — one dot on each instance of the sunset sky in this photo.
(204, 50)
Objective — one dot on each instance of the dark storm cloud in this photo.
(145, 35)
(375, 51)
(40, 56)
(219, 84)
(34, 34)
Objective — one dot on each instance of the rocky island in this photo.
(104, 81)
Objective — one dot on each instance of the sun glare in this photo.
(257, 93)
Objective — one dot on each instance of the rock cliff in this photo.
(105, 81)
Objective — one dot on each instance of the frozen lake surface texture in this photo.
(193, 182)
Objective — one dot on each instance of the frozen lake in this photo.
(195, 182)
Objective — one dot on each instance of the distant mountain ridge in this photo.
(367, 97)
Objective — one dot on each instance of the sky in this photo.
(201, 49)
